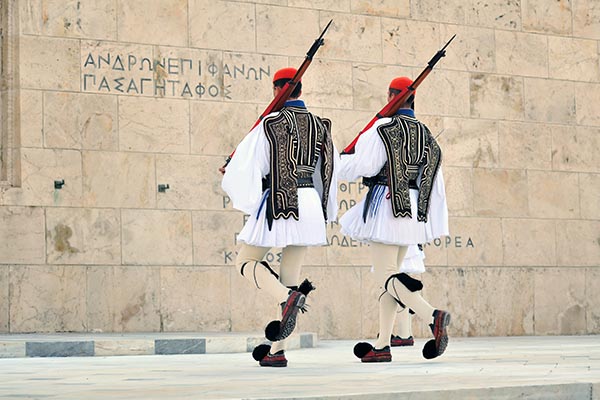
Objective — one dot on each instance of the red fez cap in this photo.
(285, 73)
(402, 83)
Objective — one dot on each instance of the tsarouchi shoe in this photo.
(274, 360)
(367, 353)
(436, 347)
(279, 330)
(397, 341)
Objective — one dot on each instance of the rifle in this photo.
(398, 100)
(278, 102)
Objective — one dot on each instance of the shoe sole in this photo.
(274, 364)
(440, 334)
(402, 344)
(288, 321)
(386, 358)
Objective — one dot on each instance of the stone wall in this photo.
(117, 97)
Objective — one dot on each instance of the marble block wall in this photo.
(117, 97)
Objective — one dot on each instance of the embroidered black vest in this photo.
(411, 150)
(297, 139)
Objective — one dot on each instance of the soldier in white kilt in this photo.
(405, 205)
(283, 174)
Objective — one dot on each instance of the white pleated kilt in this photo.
(381, 226)
(308, 230)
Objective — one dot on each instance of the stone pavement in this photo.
(541, 368)
(132, 344)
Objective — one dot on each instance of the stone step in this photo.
(129, 344)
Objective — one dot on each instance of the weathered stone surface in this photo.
(191, 180)
(39, 56)
(95, 20)
(356, 37)
(444, 93)
(47, 299)
(331, 5)
(328, 84)
(525, 145)
(83, 348)
(521, 54)
(474, 242)
(222, 25)
(112, 308)
(163, 22)
(589, 193)
(345, 124)
(472, 49)
(154, 125)
(575, 149)
(547, 17)
(298, 24)
(4, 299)
(586, 19)
(118, 179)
(587, 97)
(436, 254)
(76, 121)
(553, 194)
(592, 287)
(578, 243)
(459, 190)
(497, 97)
(529, 242)
(214, 131)
(405, 42)
(549, 101)
(128, 347)
(249, 77)
(346, 251)
(495, 14)
(145, 244)
(83, 236)
(560, 306)
(471, 294)
(22, 235)
(390, 8)
(31, 119)
(469, 142)
(30, 16)
(220, 247)
(195, 299)
(251, 309)
(40, 168)
(573, 59)
(327, 303)
(370, 84)
(180, 346)
(439, 10)
(500, 192)
(369, 306)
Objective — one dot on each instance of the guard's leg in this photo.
(404, 337)
(292, 259)
(259, 273)
(384, 259)
(407, 291)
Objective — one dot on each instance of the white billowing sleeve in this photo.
(438, 207)
(368, 158)
(243, 175)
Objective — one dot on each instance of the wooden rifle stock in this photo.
(394, 105)
(285, 92)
